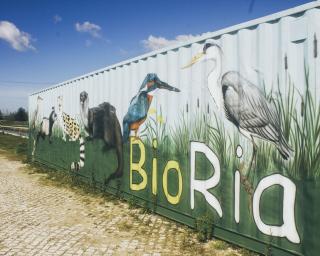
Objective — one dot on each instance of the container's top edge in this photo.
(251, 23)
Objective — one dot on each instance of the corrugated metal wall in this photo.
(257, 52)
(269, 52)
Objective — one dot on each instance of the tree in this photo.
(21, 115)
(10, 116)
(1, 115)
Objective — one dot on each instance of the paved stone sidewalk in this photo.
(42, 219)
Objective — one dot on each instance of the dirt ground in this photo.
(38, 217)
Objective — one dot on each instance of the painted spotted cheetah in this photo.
(71, 128)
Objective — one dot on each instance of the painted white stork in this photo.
(243, 102)
(34, 116)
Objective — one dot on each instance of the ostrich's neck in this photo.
(84, 114)
(59, 113)
(37, 111)
(214, 86)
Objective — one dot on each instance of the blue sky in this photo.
(45, 42)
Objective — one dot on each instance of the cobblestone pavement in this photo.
(38, 218)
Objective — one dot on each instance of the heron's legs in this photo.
(254, 155)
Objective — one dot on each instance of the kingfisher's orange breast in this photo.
(135, 125)
(149, 97)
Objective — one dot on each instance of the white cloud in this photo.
(88, 27)
(155, 43)
(18, 40)
(57, 18)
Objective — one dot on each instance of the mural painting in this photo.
(102, 123)
(140, 104)
(247, 158)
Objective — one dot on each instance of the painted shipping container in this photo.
(224, 129)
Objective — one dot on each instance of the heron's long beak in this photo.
(195, 59)
(163, 85)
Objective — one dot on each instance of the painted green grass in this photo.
(201, 127)
(156, 128)
(305, 136)
(180, 134)
(300, 123)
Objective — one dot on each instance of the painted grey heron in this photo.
(243, 102)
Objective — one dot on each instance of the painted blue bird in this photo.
(139, 105)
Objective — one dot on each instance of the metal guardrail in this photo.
(14, 130)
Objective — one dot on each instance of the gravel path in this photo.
(39, 218)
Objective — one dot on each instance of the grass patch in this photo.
(220, 245)
(245, 252)
(14, 123)
(204, 227)
(61, 178)
(145, 208)
(124, 225)
(232, 254)
(133, 203)
(15, 147)
(191, 245)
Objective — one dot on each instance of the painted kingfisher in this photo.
(139, 105)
